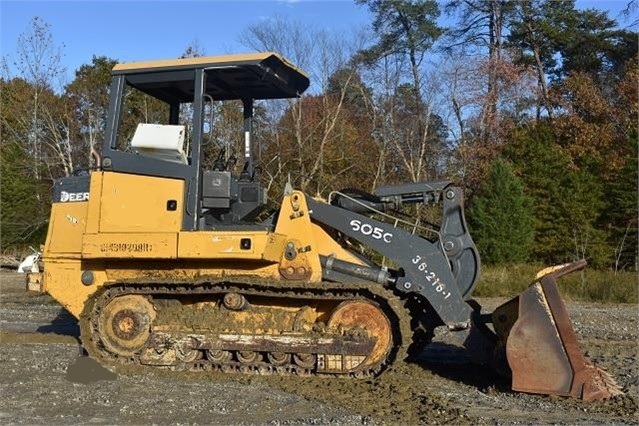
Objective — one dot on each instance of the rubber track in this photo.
(392, 305)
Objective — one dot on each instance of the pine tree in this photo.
(501, 217)
(23, 215)
(620, 216)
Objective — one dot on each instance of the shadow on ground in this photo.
(452, 362)
(63, 324)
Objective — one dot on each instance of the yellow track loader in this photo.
(166, 262)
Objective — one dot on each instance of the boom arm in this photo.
(426, 267)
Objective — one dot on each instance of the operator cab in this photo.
(169, 119)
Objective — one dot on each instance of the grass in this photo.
(588, 285)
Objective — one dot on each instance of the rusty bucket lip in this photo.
(558, 271)
(587, 381)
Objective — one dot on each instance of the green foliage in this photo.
(589, 285)
(620, 215)
(536, 28)
(405, 31)
(501, 218)
(403, 27)
(88, 96)
(24, 212)
(567, 200)
(347, 83)
(24, 197)
(569, 40)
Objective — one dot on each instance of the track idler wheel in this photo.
(542, 348)
(358, 314)
(125, 324)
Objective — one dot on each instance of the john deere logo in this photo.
(73, 196)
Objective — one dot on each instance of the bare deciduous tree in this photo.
(39, 61)
(307, 133)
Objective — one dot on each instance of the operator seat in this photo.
(162, 141)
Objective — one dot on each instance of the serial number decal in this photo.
(431, 277)
(370, 230)
(126, 247)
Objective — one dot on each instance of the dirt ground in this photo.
(39, 362)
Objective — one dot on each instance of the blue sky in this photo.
(141, 30)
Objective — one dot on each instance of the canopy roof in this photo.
(264, 75)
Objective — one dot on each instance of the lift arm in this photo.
(425, 267)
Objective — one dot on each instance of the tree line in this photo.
(531, 106)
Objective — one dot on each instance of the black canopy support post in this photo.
(115, 111)
(248, 132)
(194, 186)
(174, 113)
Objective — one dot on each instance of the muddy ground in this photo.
(39, 355)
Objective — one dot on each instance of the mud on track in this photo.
(39, 346)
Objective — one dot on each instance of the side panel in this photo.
(131, 216)
(119, 245)
(252, 245)
(66, 226)
(62, 280)
(133, 203)
(95, 195)
(68, 218)
(63, 247)
(190, 270)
